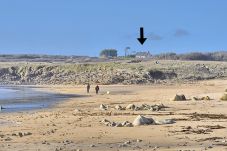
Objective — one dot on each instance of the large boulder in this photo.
(141, 120)
(179, 98)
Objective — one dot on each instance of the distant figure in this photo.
(88, 88)
(97, 89)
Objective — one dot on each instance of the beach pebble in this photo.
(127, 124)
(77, 110)
(8, 139)
(141, 120)
(92, 145)
(119, 125)
(103, 107)
(27, 133)
(20, 134)
(223, 141)
(131, 107)
(123, 145)
(165, 121)
(44, 142)
(127, 142)
(138, 140)
(118, 107)
(116, 124)
(67, 142)
(137, 108)
(210, 146)
(106, 122)
(158, 107)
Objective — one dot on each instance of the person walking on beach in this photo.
(97, 89)
(88, 88)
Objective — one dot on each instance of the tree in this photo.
(108, 53)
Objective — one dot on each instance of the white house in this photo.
(143, 55)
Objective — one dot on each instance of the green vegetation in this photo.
(211, 56)
(32, 56)
(108, 53)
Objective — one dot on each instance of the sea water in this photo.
(22, 98)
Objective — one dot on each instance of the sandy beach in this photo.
(75, 123)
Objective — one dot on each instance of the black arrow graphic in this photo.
(141, 39)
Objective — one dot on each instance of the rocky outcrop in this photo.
(110, 73)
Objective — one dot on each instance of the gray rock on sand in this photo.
(205, 98)
(77, 110)
(118, 107)
(103, 107)
(20, 134)
(165, 121)
(123, 145)
(131, 107)
(118, 125)
(115, 124)
(141, 120)
(158, 107)
(137, 108)
(127, 124)
(106, 122)
(127, 142)
(179, 98)
(145, 107)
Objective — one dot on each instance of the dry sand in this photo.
(200, 125)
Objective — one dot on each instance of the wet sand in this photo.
(75, 123)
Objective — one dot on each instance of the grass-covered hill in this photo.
(111, 72)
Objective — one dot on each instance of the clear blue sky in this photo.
(84, 27)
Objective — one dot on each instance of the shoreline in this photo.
(29, 98)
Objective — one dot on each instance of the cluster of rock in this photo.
(205, 98)
(138, 121)
(115, 124)
(183, 98)
(156, 107)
